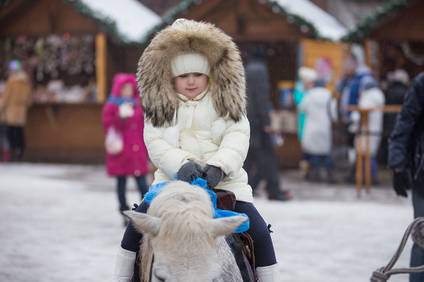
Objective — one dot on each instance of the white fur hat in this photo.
(189, 63)
(398, 75)
(307, 74)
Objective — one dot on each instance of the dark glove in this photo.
(189, 171)
(213, 175)
(401, 182)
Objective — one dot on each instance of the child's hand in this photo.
(213, 175)
(189, 171)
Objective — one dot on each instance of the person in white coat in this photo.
(316, 142)
(192, 82)
(371, 97)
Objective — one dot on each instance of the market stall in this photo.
(71, 50)
(394, 37)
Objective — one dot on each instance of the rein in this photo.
(383, 274)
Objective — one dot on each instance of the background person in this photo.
(317, 138)
(406, 158)
(124, 114)
(261, 162)
(397, 85)
(14, 105)
(371, 97)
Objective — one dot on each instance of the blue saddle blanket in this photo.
(154, 190)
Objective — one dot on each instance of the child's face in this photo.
(191, 84)
(127, 90)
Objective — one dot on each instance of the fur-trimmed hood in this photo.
(119, 80)
(227, 81)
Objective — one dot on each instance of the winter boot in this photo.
(124, 265)
(266, 273)
(284, 195)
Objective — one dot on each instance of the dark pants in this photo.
(264, 249)
(262, 164)
(317, 161)
(417, 253)
(122, 188)
(4, 142)
(16, 138)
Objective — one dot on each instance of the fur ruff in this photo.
(227, 80)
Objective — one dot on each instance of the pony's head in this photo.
(180, 228)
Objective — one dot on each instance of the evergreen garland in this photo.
(364, 28)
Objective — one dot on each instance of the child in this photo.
(193, 88)
(123, 114)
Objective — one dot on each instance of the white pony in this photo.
(187, 242)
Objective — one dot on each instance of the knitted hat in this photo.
(367, 82)
(307, 74)
(398, 75)
(189, 63)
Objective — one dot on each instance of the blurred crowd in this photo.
(338, 129)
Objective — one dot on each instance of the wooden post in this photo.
(101, 67)
(361, 140)
(366, 138)
(359, 169)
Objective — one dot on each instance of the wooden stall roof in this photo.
(397, 20)
(251, 20)
(44, 17)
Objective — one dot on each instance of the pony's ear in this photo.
(143, 222)
(225, 225)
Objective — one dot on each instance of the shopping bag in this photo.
(113, 142)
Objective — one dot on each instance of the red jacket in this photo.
(132, 160)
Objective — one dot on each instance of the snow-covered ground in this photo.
(60, 223)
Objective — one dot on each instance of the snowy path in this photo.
(59, 223)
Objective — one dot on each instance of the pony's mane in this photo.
(185, 214)
(184, 211)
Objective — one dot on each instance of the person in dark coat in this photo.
(398, 82)
(261, 162)
(406, 158)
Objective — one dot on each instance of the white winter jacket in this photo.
(319, 109)
(198, 133)
(371, 99)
